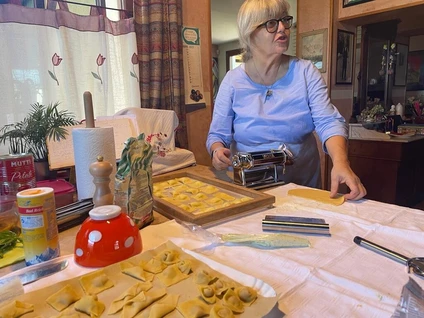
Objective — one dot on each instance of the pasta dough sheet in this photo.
(184, 290)
(317, 195)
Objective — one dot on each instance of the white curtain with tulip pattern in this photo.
(50, 56)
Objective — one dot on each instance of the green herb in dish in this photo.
(8, 241)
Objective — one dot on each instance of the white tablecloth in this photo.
(332, 278)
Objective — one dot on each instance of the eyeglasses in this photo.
(272, 25)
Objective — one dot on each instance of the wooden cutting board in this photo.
(13, 256)
(257, 200)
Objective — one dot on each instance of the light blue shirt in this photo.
(247, 120)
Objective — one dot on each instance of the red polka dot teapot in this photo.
(107, 236)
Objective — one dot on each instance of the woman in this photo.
(274, 99)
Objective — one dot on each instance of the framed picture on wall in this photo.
(313, 47)
(415, 73)
(348, 3)
(401, 65)
(345, 51)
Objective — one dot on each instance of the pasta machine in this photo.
(260, 169)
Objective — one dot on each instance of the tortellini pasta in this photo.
(232, 301)
(168, 257)
(219, 311)
(207, 293)
(184, 266)
(246, 294)
(220, 286)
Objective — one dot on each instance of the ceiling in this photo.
(224, 19)
(411, 20)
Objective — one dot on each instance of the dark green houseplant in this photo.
(43, 122)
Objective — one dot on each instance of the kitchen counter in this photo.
(358, 132)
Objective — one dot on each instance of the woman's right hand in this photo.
(221, 158)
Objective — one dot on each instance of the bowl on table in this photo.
(107, 236)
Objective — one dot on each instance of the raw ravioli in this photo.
(246, 294)
(136, 272)
(141, 301)
(90, 305)
(171, 275)
(63, 298)
(161, 307)
(127, 295)
(95, 282)
(154, 266)
(16, 309)
(194, 308)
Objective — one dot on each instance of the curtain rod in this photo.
(92, 5)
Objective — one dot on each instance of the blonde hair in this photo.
(252, 13)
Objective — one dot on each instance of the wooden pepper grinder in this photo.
(101, 171)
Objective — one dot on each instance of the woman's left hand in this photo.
(342, 173)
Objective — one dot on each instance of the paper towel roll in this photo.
(88, 144)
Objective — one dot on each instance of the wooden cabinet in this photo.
(392, 172)
(373, 8)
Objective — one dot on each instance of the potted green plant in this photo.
(43, 122)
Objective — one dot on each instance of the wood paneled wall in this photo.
(197, 13)
(315, 15)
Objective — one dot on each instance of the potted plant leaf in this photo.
(30, 135)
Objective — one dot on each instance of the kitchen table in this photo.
(332, 278)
